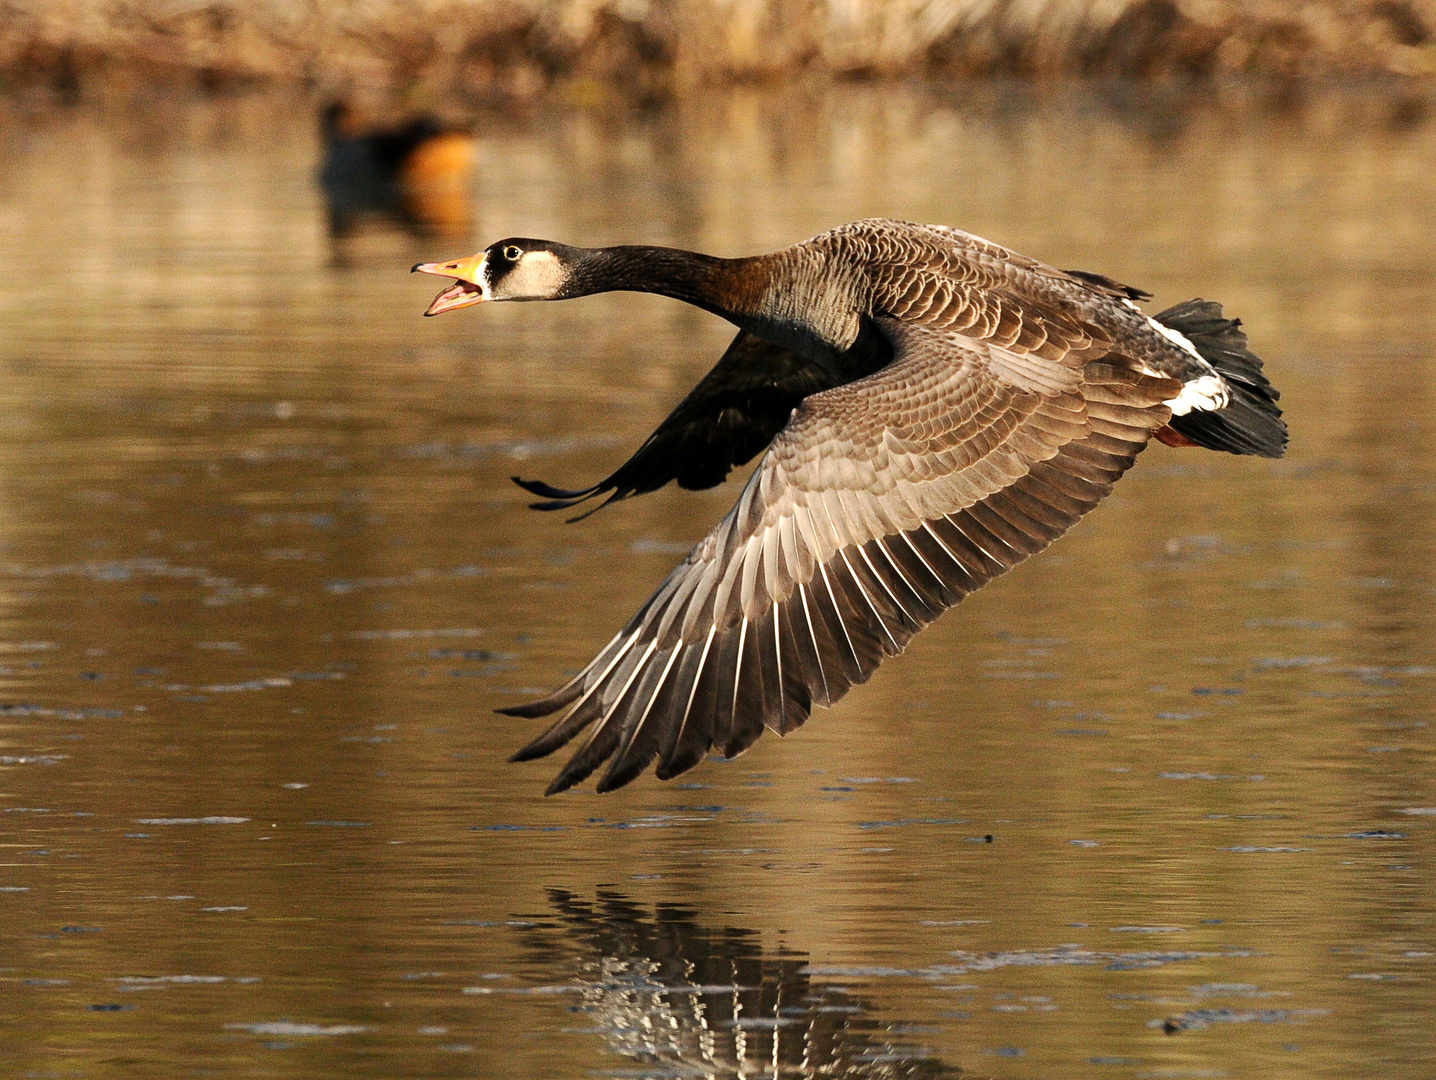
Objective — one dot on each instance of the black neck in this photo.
(726, 287)
(756, 294)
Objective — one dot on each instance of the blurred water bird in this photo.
(417, 172)
(935, 408)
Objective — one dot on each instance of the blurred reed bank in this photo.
(485, 51)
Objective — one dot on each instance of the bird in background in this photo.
(931, 409)
(417, 172)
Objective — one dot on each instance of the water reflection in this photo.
(679, 999)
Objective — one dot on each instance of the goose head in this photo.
(512, 269)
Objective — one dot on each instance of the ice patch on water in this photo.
(287, 1028)
(216, 820)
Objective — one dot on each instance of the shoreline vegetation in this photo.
(467, 55)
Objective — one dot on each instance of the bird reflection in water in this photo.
(682, 1000)
(416, 174)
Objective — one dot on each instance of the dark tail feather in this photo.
(1251, 423)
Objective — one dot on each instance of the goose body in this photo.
(933, 408)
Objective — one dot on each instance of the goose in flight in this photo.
(931, 409)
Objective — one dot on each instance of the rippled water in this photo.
(1158, 804)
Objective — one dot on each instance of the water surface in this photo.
(1158, 804)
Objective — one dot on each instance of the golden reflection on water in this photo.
(263, 579)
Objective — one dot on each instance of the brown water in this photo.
(263, 579)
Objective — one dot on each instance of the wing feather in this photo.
(881, 503)
(728, 418)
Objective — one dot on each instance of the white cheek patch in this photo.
(539, 275)
(1176, 337)
(1207, 394)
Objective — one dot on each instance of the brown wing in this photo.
(881, 504)
(950, 280)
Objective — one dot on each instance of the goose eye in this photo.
(513, 253)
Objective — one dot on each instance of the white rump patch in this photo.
(1207, 394)
(1177, 338)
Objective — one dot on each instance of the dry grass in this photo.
(490, 51)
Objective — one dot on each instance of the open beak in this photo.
(466, 289)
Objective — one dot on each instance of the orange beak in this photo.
(468, 284)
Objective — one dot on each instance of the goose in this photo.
(932, 408)
(417, 171)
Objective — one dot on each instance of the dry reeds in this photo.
(487, 51)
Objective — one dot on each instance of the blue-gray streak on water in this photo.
(1159, 803)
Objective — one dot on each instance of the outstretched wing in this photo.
(730, 416)
(882, 503)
